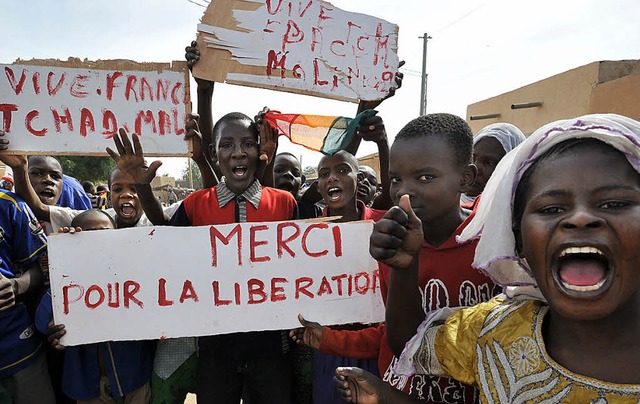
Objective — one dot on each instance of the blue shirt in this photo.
(73, 195)
(21, 242)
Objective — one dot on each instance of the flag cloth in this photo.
(326, 134)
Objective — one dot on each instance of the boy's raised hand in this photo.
(193, 134)
(4, 143)
(309, 335)
(371, 129)
(397, 237)
(268, 137)
(373, 104)
(192, 55)
(12, 160)
(130, 159)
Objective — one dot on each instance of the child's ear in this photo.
(468, 177)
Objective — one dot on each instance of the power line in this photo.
(198, 4)
(457, 20)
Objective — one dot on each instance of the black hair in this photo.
(101, 188)
(29, 158)
(233, 117)
(522, 191)
(90, 213)
(88, 187)
(451, 128)
(286, 153)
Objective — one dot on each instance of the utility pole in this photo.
(423, 92)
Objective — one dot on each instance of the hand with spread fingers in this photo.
(130, 158)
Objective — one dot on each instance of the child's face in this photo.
(287, 174)
(337, 179)
(124, 199)
(581, 232)
(487, 153)
(45, 175)
(367, 184)
(237, 152)
(425, 168)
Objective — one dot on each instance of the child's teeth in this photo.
(588, 288)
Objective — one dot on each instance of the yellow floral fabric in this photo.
(498, 347)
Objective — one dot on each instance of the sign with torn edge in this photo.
(75, 107)
(300, 46)
(165, 282)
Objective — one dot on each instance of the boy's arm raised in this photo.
(209, 178)
(204, 89)
(396, 240)
(130, 160)
(22, 186)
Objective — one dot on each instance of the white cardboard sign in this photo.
(302, 46)
(164, 282)
(76, 108)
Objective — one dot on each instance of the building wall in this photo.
(371, 160)
(621, 96)
(564, 95)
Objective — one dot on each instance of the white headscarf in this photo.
(508, 135)
(496, 251)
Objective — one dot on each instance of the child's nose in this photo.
(581, 218)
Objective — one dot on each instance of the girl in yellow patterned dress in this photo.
(560, 220)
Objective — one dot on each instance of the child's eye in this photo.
(249, 144)
(551, 210)
(225, 145)
(425, 177)
(323, 174)
(343, 170)
(394, 180)
(614, 205)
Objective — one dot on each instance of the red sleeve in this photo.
(361, 344)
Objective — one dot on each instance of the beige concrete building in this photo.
(599, 87)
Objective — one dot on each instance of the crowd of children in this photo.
(508, 267)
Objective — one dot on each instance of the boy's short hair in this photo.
(233, 117)
(89, 187)
(451, 128)
(35, 156)
(89, 213)
(286, 153)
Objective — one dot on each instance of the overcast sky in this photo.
(480, 48)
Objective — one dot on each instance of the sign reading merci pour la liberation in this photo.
(164, 282)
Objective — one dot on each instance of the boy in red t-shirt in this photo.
(430, 161)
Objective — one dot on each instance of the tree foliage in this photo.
(195, 172)
(87, 168)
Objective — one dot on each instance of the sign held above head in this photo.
(75, 107)
(301, 46)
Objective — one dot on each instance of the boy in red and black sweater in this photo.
(255, 361)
